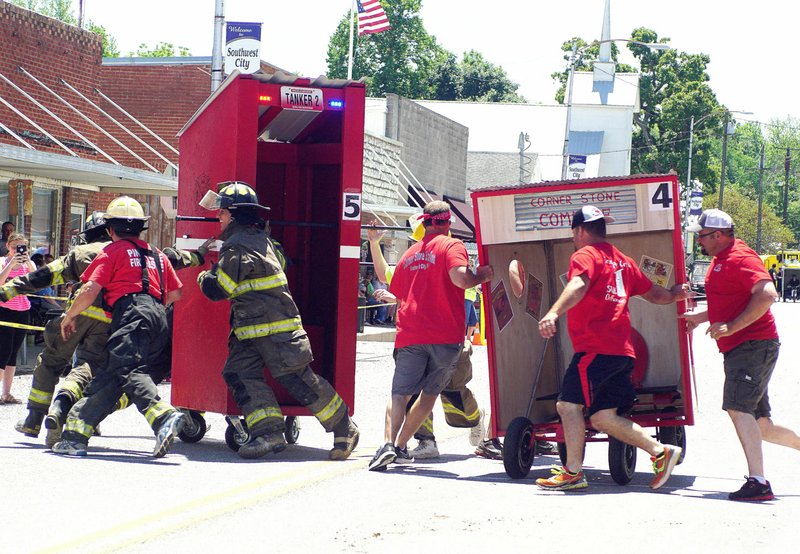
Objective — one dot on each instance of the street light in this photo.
(570, 78)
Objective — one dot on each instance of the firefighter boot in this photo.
(54, 422)
(263, 445)
(31, 424)
(345, 440)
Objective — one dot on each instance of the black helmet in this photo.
(235, 195)
(95, 227)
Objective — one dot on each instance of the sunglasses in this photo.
(704, 235)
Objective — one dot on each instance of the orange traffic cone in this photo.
(477, 339)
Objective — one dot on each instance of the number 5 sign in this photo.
(351, 205)
(660, 195)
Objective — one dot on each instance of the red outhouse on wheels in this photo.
(299, 143)
(525, 233)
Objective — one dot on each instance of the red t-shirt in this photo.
(600, 323)
(432, 308)
(118, 270)
(730, 278)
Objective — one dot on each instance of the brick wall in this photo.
(50, 51)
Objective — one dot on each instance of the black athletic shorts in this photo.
(599, 382)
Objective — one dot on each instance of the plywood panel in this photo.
(518, 347)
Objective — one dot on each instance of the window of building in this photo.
(42, 220)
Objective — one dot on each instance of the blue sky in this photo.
(751, 49)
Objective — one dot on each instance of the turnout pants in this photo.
(287, 356)
(458, 402)
(136, 338)
(88, 342)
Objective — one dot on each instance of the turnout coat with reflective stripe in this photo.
(250, 274)
(66, 269)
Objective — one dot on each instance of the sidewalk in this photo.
(377, 334)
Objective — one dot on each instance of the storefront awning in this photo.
(85, 174)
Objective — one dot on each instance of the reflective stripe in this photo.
(57, 270)
(123, 402)
(40, 397)
(450, 409)
(474, 416)
(157, 410)
(94, 312)
(428, 425)
(261, 414)
(226, 283)
(74, 388)
(265, 329)
(330, 410)
(262, 283)
(79, 426)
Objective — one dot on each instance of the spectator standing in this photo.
(7, 228)
(14, 311)
(740, 293)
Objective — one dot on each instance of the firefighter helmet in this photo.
(234, 195)
(95, 226)
(125, 215)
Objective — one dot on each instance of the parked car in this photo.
(697, 279)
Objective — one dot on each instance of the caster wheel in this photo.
(194, 429)
(292, 430)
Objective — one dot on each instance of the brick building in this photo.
(77, 130)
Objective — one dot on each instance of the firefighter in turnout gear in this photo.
(266, 329)
(136, 282)
(88, 342)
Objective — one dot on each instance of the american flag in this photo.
(371, 17)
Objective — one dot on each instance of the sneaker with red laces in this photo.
(563, 480)
(664, 464)
(753, 491)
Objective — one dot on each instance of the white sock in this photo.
(759, 478)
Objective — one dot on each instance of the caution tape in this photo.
(62, 298)
(21, 326)
(377, 305)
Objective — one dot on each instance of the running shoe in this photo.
(664, 464)
(563, 480)
(383, 457)
(426, 450)
(753, 491)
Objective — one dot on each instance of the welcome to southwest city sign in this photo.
(242, 47)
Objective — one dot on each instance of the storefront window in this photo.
(42, 220)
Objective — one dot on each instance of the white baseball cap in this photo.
(715, 219)
(588, 214)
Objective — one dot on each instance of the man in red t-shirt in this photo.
(601, 281)
(137, 282)
(740, 293)
(429, 283)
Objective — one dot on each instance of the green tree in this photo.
(744, 211)
(161, 50)
(485, 82)
(673, 88)
(110, 48)
(407, 61)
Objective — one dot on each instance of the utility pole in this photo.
(786, 166)
(760, 198)
(724, 159)
(216, 52)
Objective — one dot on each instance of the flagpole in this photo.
(350, 54)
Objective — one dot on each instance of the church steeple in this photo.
(605, 48)
(604, 69)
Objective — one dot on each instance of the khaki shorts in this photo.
(748, 369)
(424, 367)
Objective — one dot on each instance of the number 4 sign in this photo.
(351, 205)
(660, 196)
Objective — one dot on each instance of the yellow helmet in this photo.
(126, 208)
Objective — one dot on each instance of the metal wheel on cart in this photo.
(237, 434)
(194, 427)
(292, 430)
(621, 461)
(518, 448)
